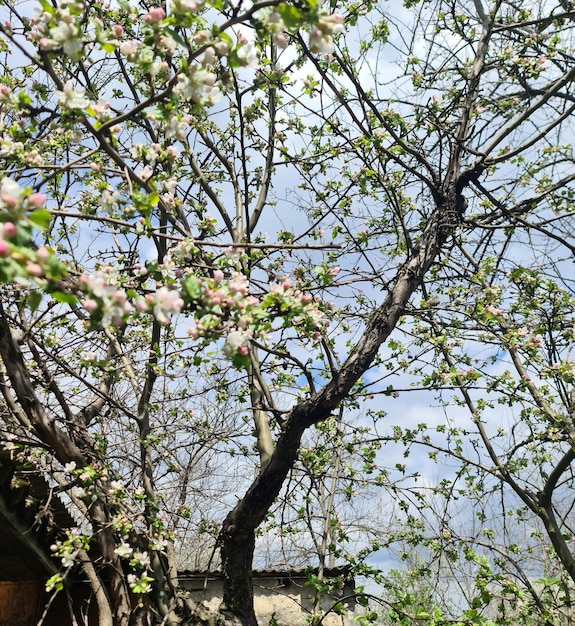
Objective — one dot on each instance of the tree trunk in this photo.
(237, 562)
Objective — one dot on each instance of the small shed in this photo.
(283, 595)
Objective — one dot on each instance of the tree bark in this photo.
(237, 561)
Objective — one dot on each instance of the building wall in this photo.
(288, 601)
(20, 602)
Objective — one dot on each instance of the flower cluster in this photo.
(321, 37)
(57, 29)
(108, 303)
(72, 98)
(20, 212)
(15, 200)
(281, 20)
(105, 302)
(224, 307)
(67, 550)
(198, 86)
(139, 583)
(221, 303)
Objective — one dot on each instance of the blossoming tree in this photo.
(150, 328)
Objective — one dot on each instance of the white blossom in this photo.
(236, 339)
(10, 193)
(66, 35)
(167, 301)
(124, 550)
(72, 98)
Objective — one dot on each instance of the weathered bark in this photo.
(237, 562)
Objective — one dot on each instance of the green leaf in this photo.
(34, 298)
(110, 48)
(291, 16)
(192, 287)
(64, 298)
(240, 361)
(153, 199)
(41, 217)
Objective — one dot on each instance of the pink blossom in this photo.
(167, 301)
(9, 201)
(43, 254)
(3, 247)
(129, 49)
(37, 200)
(9, 230)
(281, 41)
(90, 305)
(155, 15)
(34, 269)
(235, 340)
(494, 311)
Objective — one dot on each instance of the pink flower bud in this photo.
(3, 247)
(37, 200)
(43, 254)
(9, 201)
(9, 230)
(281, 41)
(90, 305)
(34, 269)
(155, 15)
